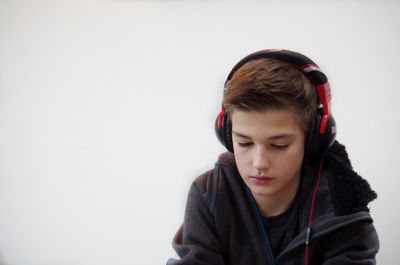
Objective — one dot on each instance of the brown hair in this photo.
(271, 84)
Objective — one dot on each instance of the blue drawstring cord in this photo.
(261, 224)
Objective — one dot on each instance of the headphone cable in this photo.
(308, 237)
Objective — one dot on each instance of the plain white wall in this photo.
(107, 111)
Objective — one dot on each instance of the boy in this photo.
(285, 193)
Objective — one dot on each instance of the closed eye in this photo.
(280, 146)
(245, 144)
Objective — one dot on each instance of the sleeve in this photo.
(354, 244)
(197, 242)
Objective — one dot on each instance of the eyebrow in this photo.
(275, 137)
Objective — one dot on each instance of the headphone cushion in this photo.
(317, 143)
(224, 134)
(228, 134)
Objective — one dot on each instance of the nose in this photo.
(261, 160)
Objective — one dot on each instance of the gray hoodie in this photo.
(222, 226)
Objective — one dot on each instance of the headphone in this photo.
(322, 132)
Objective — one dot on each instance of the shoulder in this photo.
(351, 240)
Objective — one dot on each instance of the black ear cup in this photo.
(317, 142)
(223, 129)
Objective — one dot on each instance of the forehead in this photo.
(267, 123)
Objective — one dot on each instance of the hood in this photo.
(350, 192)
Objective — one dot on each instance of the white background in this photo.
(107, 111)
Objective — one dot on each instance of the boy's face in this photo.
(269, 151)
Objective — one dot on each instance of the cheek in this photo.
(293, 160)
(241, 161)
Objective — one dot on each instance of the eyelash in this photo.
(244, 144)
(278, 147)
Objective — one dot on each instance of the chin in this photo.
(261, 191)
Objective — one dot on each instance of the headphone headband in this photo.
(302, 63)
(298, 60)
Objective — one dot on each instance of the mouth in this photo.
(261, 179)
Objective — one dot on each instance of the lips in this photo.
(261, 179)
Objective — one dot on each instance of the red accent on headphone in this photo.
(324, 94)
(221, 117)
